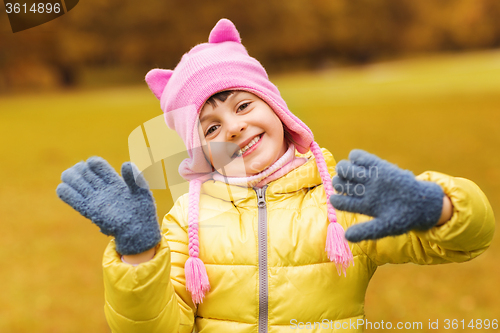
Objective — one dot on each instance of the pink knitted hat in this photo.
(224, 64)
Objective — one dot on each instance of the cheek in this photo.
(273, 122)
(206, 152)
(277, 129)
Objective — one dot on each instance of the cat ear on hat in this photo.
(224, 31)
(157, 80)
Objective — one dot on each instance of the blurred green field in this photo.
(437, 113)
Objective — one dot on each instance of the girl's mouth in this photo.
(251, 146)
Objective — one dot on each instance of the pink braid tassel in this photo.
(196, 279)
(337, 248)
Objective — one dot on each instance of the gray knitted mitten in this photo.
(394, 197)
(118, 206)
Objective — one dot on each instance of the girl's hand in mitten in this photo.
(120, 207)
(394, 197)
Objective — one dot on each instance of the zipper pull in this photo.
(261, 201)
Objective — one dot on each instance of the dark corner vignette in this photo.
(28, 14)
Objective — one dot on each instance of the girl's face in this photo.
(241, 136)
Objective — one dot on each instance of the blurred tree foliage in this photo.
(132, 35)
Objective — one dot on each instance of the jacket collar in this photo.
(305, 176)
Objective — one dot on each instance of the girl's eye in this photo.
(211, 129)
(243, 106)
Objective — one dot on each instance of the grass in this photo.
(435, 113)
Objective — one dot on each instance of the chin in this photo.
(257, 168)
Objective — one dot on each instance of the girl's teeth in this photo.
(248, 146)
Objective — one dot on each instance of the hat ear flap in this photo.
(157, 80)
(224, 31)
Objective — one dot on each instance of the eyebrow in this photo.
(206, 116)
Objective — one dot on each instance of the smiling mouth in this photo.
(241, 151)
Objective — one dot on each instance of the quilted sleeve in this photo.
(466, 235)
(151, 297)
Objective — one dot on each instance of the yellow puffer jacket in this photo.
(268, 274)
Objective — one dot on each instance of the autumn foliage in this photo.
(132, 37)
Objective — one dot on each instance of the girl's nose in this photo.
(236, 129)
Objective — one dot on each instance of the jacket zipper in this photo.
(263, 284)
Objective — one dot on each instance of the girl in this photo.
(256, 243)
